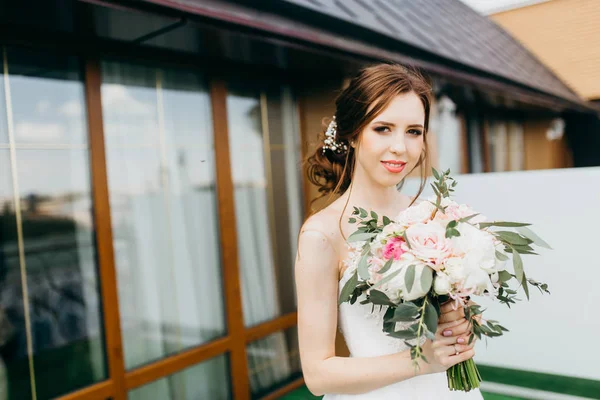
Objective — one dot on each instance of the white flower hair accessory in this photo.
(330, 141)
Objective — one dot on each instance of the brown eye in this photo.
(415, 132)
(381, 129)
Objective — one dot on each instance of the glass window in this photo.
(207, 380)
(160, 164)
(47, 235)
(273, 362)
(265, 163)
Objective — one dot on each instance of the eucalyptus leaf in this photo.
(363, 213)
(531, 235)
(403, 335)
(431, 317)
(386, 221)
(465, 219)
(405, 312)
(386, 266)
(352, 220)
(386, 279)
(348, 288)
(435, 174)
(512, 237)
(374, 215)
(502, 224)
(525, 285)
(380, 298)
(426, 279)
(504, 276)
(363, 267)
(360, 236)
(409, 278)
(518, 265)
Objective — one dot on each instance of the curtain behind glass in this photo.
(160, 161)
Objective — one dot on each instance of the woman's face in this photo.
(391, 144)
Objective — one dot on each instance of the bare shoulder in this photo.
(324, 222)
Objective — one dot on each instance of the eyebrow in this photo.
(392, 124)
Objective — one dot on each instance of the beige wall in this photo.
(541, 153)
(564, 35)
(315, 102)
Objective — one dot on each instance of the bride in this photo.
(377, 136)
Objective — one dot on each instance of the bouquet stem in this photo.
(463, 376)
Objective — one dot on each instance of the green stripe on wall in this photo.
(303, 393)
(541, 381)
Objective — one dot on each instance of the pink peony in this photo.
(393, 248)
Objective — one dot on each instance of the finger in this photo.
(448, 341)
(455, 359)
(447, 306)
(452, 316)
(456, 328)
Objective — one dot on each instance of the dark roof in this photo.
(449, 29)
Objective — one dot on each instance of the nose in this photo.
(398, 147)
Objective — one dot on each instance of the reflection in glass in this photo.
(61, 320)
(207, 380)
(160, 162)
(264, 150)
(273, 362)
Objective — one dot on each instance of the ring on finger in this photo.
(456, 350)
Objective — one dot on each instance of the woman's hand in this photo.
(452, 336)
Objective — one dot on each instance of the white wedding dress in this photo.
(363, 333)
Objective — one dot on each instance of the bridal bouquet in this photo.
(431, 253)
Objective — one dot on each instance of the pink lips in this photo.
(394, 166)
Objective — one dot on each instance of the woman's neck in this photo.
(367, 194)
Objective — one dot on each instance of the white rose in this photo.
(429, 243)
(478, 280)
(415, 214)
(476, 246)
(441, 284)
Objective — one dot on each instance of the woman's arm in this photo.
(317, 287)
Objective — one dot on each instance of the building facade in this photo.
(151, 188)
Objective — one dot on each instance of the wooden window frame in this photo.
(120, 381)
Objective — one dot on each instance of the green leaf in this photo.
(352, 220)
(531, 235)
(502, 224)
(525, 287)
(380, 298)
(403, 335)
(504, 276)
(406, 239)
(501, 256)
(386, 266)
(511, 237)
(465, 219)
(386, 279)
(360, 236)
(426, 279)
(452, 224)
(405, 312)
(386, 221)
(409, 278)
(518, 265)
(348, 288)
(430, 336)
(431, 317)
(435, 173)
(363, 212)
(363, 268)
(374, 215)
